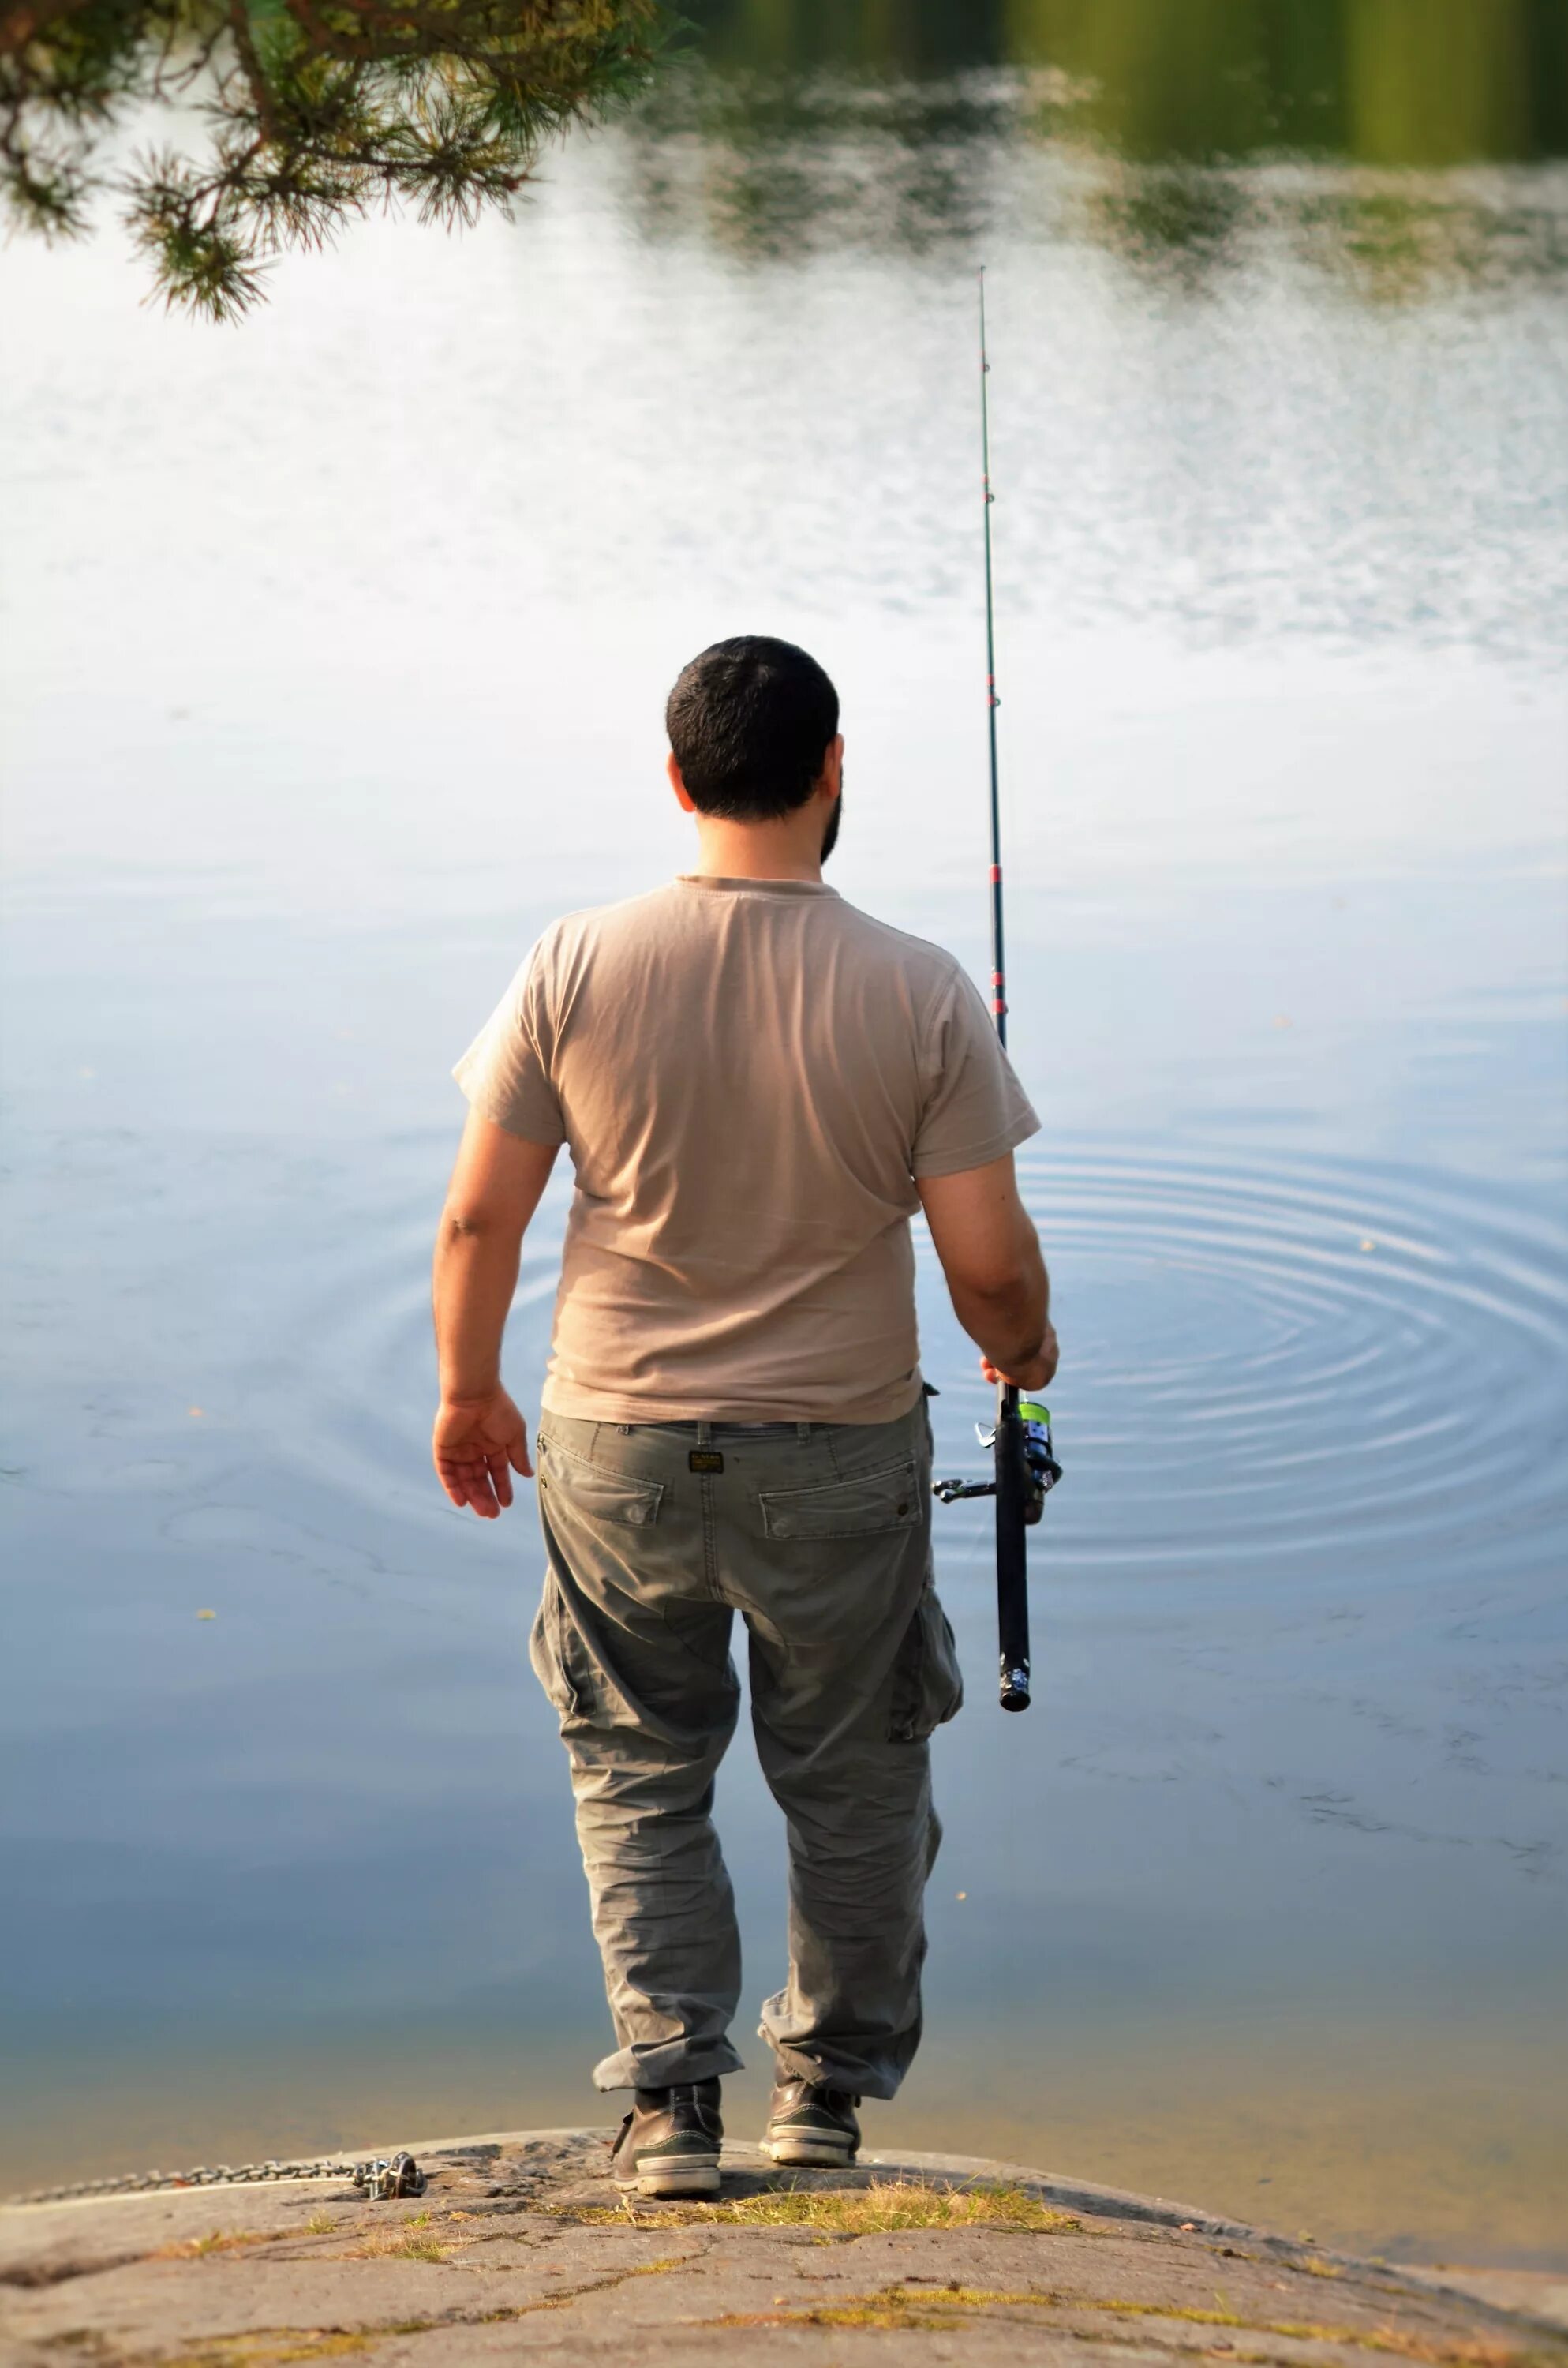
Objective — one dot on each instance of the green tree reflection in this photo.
(1384, 81)
(890, 123)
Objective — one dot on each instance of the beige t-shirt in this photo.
(749, 1075)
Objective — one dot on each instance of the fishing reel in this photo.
(1041, 1469)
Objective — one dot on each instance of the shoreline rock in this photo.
(520, 2244)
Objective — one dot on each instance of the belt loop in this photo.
(802, 1432)
(705, 1434)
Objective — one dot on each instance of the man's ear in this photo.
(683, 798)
(832, 775)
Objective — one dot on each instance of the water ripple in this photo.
(1299, 1353)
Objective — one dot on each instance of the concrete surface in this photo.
(521, 2248)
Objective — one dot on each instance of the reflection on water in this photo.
(1265, 1902)
(1381, 82)
(837, 126)
(770, 169)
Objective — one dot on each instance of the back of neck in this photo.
(760, 851)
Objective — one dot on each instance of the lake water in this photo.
(335, 649)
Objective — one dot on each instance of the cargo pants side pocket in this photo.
(560, 1661)
(928, 1684)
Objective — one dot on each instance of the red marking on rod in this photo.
(996, 876)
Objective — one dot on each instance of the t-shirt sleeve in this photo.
(506, 1072)
(975, 1108)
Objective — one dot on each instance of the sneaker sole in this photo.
(694, 2175)
(812, 2153)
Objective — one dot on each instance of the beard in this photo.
(830, 835)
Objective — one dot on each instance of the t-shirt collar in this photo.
(715, 883)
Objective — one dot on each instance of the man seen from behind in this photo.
(758, 1086)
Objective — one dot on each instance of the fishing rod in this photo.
(1023, 1466)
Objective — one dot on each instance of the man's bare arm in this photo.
(480, 1437)
(997, 1277)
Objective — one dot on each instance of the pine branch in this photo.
(314, 108)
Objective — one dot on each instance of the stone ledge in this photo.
(521, 2244)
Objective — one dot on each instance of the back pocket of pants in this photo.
(870, 1505)
(595, 1490)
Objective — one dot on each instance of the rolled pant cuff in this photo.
(859, 2080)
(668, 2066)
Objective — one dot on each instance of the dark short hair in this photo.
(750, 721)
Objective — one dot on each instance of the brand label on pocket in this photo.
(705, 1459)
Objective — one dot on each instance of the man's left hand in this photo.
(478, 1444)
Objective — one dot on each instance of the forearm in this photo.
(1008, 1319)
(475, 1276)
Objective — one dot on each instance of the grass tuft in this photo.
(276, 2349)
(892, 2306)
(412, 2245)
(900, 2203)
(411, 2240)
(881, 2205)
(217, 2240)
(945, 2307)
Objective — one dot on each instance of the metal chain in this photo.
(380, 2177)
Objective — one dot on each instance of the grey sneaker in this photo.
(669, 2142)
(811, 2123)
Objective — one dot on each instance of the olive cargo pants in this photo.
(819, 1535)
